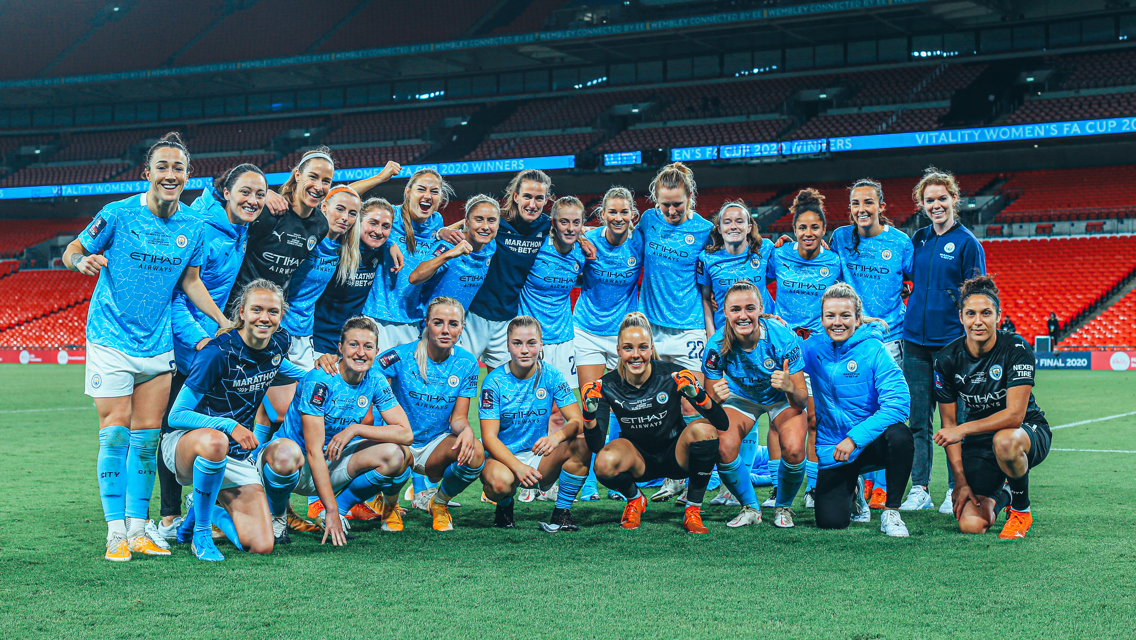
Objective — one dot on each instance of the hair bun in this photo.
(809, 196)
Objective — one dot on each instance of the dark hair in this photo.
(808, 200)
(979, 286)
(879, 189)
(512, 209)
(225, 182)
(319, 153)
(171, 140)
(753, 238)
(404, 209)
(358, 322)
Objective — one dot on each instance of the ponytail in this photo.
(675, 175)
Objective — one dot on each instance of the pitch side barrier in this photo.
(911, 140)
(471, 167)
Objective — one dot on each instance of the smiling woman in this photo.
(145, 246)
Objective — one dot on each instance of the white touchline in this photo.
(1096, 450)
(1077, 424)
(42, 410)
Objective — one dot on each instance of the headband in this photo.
(341, 189)
(317, 154)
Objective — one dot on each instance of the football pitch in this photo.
(1074, 576)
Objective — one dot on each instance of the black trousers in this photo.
(167, 480)
(892, 451)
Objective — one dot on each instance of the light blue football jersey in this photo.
(523, 406)
(720, 270)
(801, 283)
(748, 372)
(428, 403)
(875, 269)
(611, 284)
(338, 403)
(670, 296)
(547, 294)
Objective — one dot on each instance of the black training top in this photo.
(981, 383)
(277, 246)
(649, 416)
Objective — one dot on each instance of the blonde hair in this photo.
(618, 193)
(407, 220)
(933, 176)
(844, 291)
(753, 238)
(673, 176)
(634, 320)
(349, 252)
(236, 322)
(421, 356)
(481, 199)
(288, 189)
(729, 336)
(511, 209)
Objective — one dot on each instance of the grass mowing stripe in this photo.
(1096, 450)
(1077, 424)
(42, 410)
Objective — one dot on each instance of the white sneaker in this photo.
(917, 499)
(550, 495)
(156, 537)
(810, 501)
(526, 495)
(170, 532)
(421, 500)
(670, 489)
(892, 524)
(408, 495)
(748, 516)
(680, 501)
(783, 518)
(860, 510)
(948, 506)
(279, 526)
(723, 497)
(771, 501)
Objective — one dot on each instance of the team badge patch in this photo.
(96, 381)
(824, 272)
(698, 267)
(181, 241)
(388, 358)
(575, 267)
(541, 394)
(689, 238)
(950, 248)
(938, 380)
(631, 261)
(319, 395)
(362, 401)
(311, 242)
(453, 381)
(851, 366)
(769, 364)
(662, 397)
(276, 360)
(97, 227)
(713, 359)
(755, 262)
(486, 398)
(996, 372)
(886, 254)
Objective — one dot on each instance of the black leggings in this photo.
(893, 451)
(167, 479)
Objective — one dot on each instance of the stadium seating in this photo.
(678, 135)
(382, 24)
(525, 146)
(32, 294)
(757, 94)
(1078, 273)
(64, 328)
(1070, 194)
(385, 126)
(69, 174)
(359, 157)
(214, 166)
(1116, 326)
(18, 235)
(102, 145)
(1109, 105)
(243, 136)
(1108, 69)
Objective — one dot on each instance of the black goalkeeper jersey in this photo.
(981, 383)
(277, 246)
(650, 416)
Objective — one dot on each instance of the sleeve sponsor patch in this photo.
(698, 268)
(97, 226)
(713, 359)
(938, 380)
(389, 358)
(487, 398)
(319, 395)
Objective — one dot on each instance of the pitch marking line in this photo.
(43, 410)
(1097, 450)
(1077, 424)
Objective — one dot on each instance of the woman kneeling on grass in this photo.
(516, 404)
(645, 395)
(862, 405)
(349, 462)
(1006, 434)
(210, 442)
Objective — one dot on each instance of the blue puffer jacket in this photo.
(224, 251)
(858, 390)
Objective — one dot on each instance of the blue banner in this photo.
(755, 150)
(692, 154)
(796, 147)
(623, 158)
(510, 165)
(1008, 133)
(1064, 360)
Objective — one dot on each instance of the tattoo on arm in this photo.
(75, 259)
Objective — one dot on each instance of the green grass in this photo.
(1073, 576)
